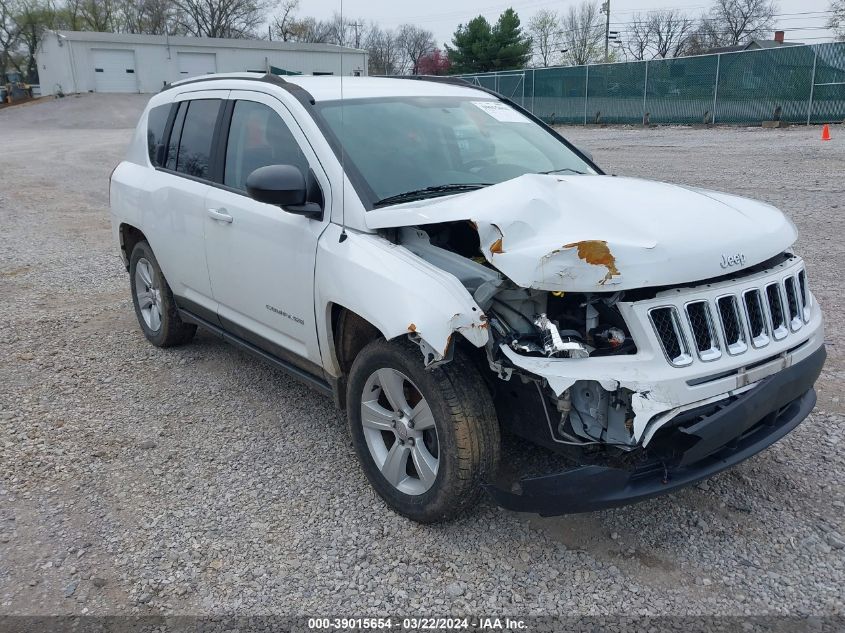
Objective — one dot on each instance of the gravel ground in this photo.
(200, 481)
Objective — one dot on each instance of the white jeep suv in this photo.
(447, 267)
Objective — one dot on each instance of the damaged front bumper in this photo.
(710, 443)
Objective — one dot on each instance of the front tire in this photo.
(155, 306)
(426, 439)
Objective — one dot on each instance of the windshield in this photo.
(410, 144)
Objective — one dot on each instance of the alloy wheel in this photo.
(148, 294)
(400, 431)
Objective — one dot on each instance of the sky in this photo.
(803, 20)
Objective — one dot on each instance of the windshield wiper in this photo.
(557, 171)
(429, 192)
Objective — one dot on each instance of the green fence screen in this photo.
(796, 84)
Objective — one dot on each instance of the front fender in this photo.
(396, 291)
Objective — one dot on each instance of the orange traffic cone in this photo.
(826, 132)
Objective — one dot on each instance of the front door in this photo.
(260, 257)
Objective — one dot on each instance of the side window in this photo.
(175, 135)
(258, 137)
(156, 123)
(194, 157)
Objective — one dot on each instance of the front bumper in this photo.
(750, 423)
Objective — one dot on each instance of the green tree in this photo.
(470, 50)
(479, 47)
(31, 18)
(510, 47)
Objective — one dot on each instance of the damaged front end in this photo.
(527, 325)
(592, 376)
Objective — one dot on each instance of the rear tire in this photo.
(155, 307)
(446, 430)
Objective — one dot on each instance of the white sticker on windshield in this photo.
(500, 111)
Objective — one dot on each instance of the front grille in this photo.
(776, 312)
(757, 322)
(703, 330)
(668, 327)
(795, 321)
(732, 328)
(732, 322)
(805, 296)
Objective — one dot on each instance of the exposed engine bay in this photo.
(541, 324)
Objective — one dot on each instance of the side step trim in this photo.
(315, 382)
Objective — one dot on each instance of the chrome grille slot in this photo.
(777, 314)
(793, 304)
(758, 328)
(667, 325)
(805, 296)
(732, 328)
(703, 330)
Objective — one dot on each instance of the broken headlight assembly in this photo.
(569, 327)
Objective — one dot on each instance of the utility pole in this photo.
(357, 25)
(605, 7)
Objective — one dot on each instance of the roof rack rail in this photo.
(295, 89)
(217, 77)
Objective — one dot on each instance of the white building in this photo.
(79, 61)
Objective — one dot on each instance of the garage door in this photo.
(193, 64)
(114, 70)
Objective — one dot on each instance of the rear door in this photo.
(176, 218)
(260, 257)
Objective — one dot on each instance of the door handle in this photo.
(221, 215)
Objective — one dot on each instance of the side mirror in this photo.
(283, 186)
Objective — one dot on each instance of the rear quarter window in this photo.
(156, 124)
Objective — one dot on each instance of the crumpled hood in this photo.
(605, 233)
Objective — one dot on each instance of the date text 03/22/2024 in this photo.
(417, 624)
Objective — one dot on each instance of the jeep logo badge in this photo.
(737, 259)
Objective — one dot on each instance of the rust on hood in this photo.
(596, 253)
(412, 328)
(496, 247)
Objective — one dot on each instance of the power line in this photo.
(459, 14)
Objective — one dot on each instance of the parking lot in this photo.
(199, 480)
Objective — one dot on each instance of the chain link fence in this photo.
(795, 84)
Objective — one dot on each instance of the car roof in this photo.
(331, 88)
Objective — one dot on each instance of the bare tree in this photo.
(339, 29)
(154, 17)
(31, 18)
(544, 28)
(70, 15)
(284, 24)
(221, 18)
(9, 37)
(731, 22)
(310, 30)
(385, 54)
(670, 31)
(837, 18)
(414, 42)
(97, 15)
(583, 33)
(639, 38)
